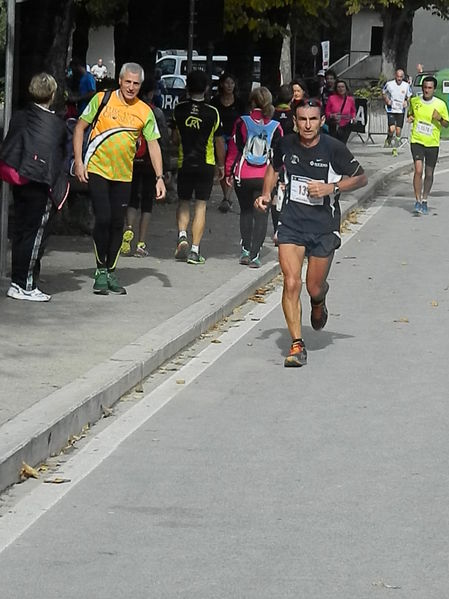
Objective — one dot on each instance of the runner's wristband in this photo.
(160, 177)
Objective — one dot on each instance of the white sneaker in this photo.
(35, 295)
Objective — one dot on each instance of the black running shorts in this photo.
(395, 119)
(196, 182)
(420, 152)
(318, 245)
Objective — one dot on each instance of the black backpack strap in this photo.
(103, 103)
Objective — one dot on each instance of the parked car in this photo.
(417, 82)
(174, 81)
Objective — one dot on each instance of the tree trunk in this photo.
(286, 57)
(142, 47)
(397, 38)
(80, 39)
(270, 57)
(120, 44)
(56, 59)
(270, 50)
(43, 31)
(241, 50)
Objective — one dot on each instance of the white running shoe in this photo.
(35, 295)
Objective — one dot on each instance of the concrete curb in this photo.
(43, 429)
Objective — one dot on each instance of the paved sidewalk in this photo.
(63, 360)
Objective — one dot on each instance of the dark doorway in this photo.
(377, 34)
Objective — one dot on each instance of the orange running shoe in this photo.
(297, 355)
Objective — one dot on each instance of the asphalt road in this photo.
(235, 478)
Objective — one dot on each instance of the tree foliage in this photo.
(256, 15)
(397, 16)
(440, 7)
(104, 12)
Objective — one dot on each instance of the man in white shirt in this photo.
(99, 70)
(396, 94)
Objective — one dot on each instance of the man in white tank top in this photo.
(396, 94)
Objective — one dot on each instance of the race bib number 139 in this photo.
(299, 191)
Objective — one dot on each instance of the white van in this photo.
(176, 64)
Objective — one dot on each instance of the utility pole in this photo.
(9, 69)
(191, 35)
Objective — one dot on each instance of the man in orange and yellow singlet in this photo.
(108, 166)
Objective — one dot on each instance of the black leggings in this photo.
(253, 223)
(33, 211)
(109, 203)
(143, 188)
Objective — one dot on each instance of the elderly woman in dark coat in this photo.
(35, 148)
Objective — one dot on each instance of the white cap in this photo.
(321, 73)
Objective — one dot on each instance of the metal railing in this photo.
(377, 123)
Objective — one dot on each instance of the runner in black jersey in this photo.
(199, 133)
(309, 223)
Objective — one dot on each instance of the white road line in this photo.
(446, 170)
(39, 501)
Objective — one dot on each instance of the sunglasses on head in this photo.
(311, 102)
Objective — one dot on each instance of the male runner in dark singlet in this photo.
(309, 224)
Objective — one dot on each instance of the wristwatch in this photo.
(336, 189)
(160, 177)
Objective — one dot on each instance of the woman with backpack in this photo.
(246, 162)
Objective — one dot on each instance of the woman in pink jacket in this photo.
(246, 162)
(340, 112)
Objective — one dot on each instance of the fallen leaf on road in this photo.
(404, 263)
(57, 480)
(28, 472)
(434, 303)
(401, 320)
(107, 411)
(261, 291)
(215, 341)
(257, 298)
(353, 218)
(381, 583)
(139, 388)
(180, 381)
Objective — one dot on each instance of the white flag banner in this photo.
(325, 47)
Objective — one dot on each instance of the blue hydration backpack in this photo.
(258, 141)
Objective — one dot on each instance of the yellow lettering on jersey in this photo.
(193, 122)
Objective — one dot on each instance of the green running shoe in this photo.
(101, 282)
(113, 284)
(182, 249)
(244, 257)
(255, 262)
(195, 258)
